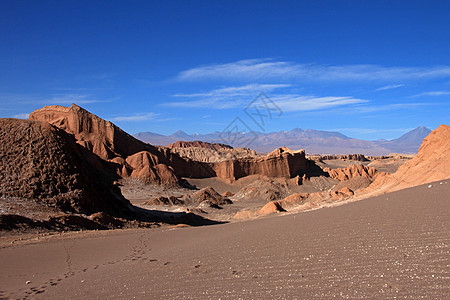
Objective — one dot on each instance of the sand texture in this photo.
(393, 245)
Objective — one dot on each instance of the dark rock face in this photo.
(44, 164)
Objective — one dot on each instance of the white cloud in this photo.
(434, 93)
(21, 116)
(389, 87)
(241, 96)
(226, 97)
(52, 99)
(135, 117)
(253, 69)
(237, 90)
(308, 103)
(389, 107)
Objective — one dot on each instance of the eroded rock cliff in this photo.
(45, 165)
(431, 163)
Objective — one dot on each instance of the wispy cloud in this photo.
(236, 90)
(226, 97)
(389, 87)
(291, 103)
(433, 93)
(135, 117)
(21, 116)
(254, 69)
(241, 96)
(52, 99)
(390, 107)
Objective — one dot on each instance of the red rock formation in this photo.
(133, 157)
(213, 156)
(210, 195)
(352, 171)
(270, 208)
(101, 137)
(263, 190)
(228, 194)
(279, 163)
(345, 192)
(431, 163)
(157, 164)
(145, 165)
(43, 164)
(199, 144)
(356, 157)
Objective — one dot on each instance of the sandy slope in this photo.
(394, 245)
(431, 163)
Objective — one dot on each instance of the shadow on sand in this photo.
(172, 218)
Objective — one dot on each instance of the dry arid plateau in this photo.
(89, 211)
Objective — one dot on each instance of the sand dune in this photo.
(394, 245)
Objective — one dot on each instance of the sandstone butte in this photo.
(282, 162)
(133, 158)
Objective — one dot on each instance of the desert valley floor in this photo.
(88, 211)
(391, 246)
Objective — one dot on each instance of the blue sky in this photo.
(369, 69)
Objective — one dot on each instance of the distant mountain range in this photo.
(313, 141)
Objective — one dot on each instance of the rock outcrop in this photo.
(280, 163)
(344, 192)
(97, 135)
(321, 158)
(431, 163)
(270, 208)
(169, 201)
(130, 156)
(264, 190)
(209, 197)
(199, 144)
(352, 171)
(146, 166)
(213, 156)
(45, 165)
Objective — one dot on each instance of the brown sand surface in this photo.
(394, 245)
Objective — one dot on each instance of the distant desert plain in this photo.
(89, 211)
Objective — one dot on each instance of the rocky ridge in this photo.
(45, 165)
(432, 163)
(133, 158)
(199, 144)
